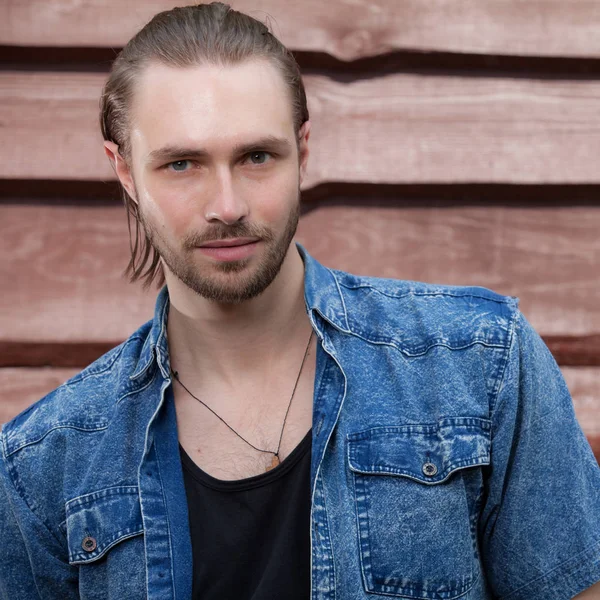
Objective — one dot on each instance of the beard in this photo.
(230, 282)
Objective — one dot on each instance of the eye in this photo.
(179, 165)
(258, 157)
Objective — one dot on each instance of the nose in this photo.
(226, 204)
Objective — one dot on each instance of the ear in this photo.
(120, 167)
(303, 152)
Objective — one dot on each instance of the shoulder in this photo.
(85, 402)
(414, 315)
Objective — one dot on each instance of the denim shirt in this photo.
(446, 460)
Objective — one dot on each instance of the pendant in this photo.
(274, 463)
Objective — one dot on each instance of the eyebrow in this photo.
(171, 153)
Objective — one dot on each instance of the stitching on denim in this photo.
(364, 526)
(146, 451)
(93, 427)
(161, 335)
(373, 585)
(327, 377)
(169, 538)
(332, 576)
(504, 364)
(358, 541)
(422, 349)
(572, 559)
(135, 391)
(458, 465)
(120, 536)
(337, 285)
(92, 371)
(117, 490)
(477, 423)
(451, 292)
(422, 352)
(20, 491)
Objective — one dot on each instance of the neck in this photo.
(227, 340)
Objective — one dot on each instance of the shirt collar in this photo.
(321, 294)
(155, 346)
(322, 291)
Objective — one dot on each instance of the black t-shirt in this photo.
(251, 537)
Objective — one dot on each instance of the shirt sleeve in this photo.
(32, 558)
(539, 530)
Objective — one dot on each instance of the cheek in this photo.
(276, 200)
(170, 205)
(165, 212)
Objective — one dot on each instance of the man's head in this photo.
(205, 121)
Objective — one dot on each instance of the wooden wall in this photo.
(453, 142)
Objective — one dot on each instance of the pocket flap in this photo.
(97, 521)
(426, 453)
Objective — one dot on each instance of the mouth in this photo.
(229, 243)
(230, 249)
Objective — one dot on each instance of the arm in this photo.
(592, 593)
(540, 524)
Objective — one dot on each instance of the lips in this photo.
(229, 243)
(230, 250)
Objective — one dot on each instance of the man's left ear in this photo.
(303, 136)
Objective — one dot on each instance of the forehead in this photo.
(209, 105)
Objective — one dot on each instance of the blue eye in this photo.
(259, 153)
(179, 165)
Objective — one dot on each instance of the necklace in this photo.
(275, 454)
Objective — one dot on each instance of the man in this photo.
(282, 430)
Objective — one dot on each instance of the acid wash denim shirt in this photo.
(447, 461)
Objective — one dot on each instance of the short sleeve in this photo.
(539, 530)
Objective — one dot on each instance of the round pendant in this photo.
(274, 463)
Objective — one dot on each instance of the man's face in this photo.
(215, 171)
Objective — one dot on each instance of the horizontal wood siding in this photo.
(346, 29)
(393, 129)
(65, 263)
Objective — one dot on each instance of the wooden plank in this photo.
(64, 263)
(548, 256)
(346, 29)
(575, 351)
(21, 387)
(584, 385)
(65, 266)
(392, 129)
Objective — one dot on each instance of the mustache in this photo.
(221, 231)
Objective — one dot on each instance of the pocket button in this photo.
(429, 469)
(89, 544)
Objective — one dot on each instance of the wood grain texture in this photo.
(21, 387)
(63, 267)
(393, 129)
(346, 29)
(575, 351)
(547, 256)
(584, 385)
(63, 264)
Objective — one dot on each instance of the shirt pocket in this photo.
(104, 533)
(417, 490)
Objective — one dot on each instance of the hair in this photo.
(185, 37)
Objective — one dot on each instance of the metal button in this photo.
(89, 544)
(429, 469)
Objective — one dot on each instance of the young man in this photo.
(282, 430)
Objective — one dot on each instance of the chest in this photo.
(235, 438)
